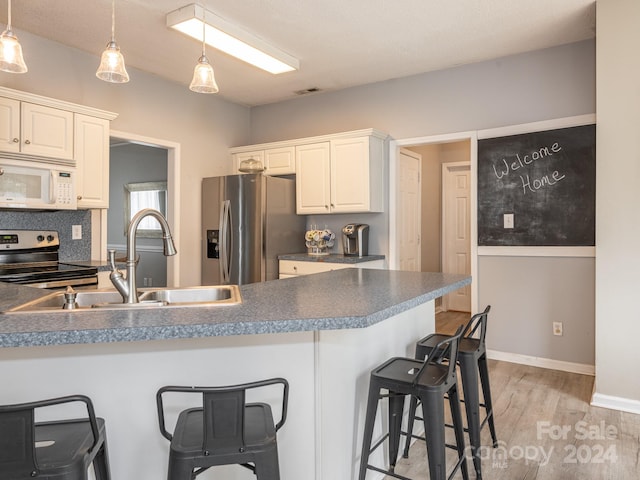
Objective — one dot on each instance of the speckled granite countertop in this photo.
(347, 298)
(332, 258)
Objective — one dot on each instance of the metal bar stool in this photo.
(61, 450)
(224, 430)
(428, 380)
(472, 358)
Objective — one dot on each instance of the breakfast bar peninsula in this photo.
(322, 332)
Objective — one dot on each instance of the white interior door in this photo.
(456, 231)
(409, 213)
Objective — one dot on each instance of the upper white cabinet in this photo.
(9, 125)
(277, 161)
(280, 161)
(343, 175)
(313, 178)
(35, 129)
(32, 127)
(92, 161)
(238, 158)
(340, 173)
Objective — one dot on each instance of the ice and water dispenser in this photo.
(355, 239)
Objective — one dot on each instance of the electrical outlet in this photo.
(76, 232)
(557, 328)
(508, 220)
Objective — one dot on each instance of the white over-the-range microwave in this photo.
(35, 185)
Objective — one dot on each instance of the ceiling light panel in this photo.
(231, 39)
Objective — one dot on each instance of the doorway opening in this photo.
(113, 219)
(446, 208)
(137, 180)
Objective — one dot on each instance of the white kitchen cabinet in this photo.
(238, 158)
(313, 178)
(34, 129)
(92, 161)
(280, 161)
(343, 175)
(277, 161)
(9, 125)
(293, 268)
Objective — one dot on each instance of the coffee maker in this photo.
(355, 239)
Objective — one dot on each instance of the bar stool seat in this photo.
(428, 380)
(60, 450)
(224, 430)
(472, 359)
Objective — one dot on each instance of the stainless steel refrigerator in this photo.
(247, 221)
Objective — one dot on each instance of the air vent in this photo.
(307, 91)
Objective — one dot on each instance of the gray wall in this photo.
(136, 163)
(541, 85)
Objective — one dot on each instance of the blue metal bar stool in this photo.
(224, 430)
(60, 450)
(472, 358)
(429, 380)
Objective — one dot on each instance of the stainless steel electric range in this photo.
(30, 257)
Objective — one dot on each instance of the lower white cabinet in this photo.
(293, 268)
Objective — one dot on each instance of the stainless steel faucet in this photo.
(127, 287)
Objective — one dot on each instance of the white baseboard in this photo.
(615, 403)
(542, 362)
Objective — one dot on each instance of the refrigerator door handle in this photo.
(225, 260)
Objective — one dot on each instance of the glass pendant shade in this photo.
(112, 68)
(10, 50)
(11, 54)
(203, 80)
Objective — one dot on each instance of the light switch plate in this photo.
(508, 220)
(76, 232)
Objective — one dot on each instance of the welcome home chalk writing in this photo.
(531, 184)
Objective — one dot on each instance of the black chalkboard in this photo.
(547, 180)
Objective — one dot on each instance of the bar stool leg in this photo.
(413, 406)
(101, 463)
(370, 417)
(454, 404)
(486, 393)
(179, 470)
(267, 467)
(433, 415)
(396, 405)
(469, 373)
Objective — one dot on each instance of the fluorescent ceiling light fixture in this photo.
(231, 39)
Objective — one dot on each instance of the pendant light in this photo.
(203, 79)
(10, 50)
(112, 67)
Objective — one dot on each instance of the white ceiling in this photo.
(340, 43)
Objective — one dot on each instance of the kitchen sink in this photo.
(217, 295)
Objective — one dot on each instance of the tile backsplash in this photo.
(58, 220)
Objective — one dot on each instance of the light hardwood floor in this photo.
(546, 431)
